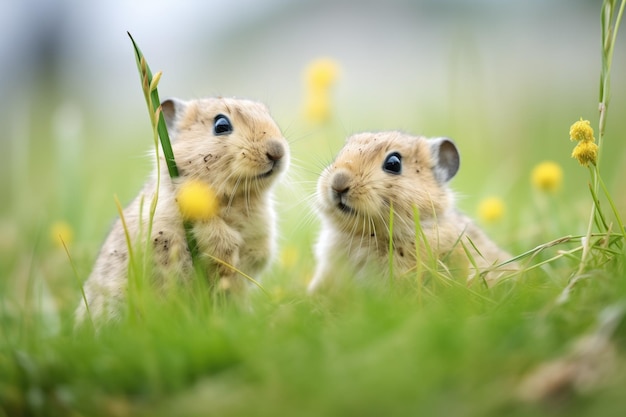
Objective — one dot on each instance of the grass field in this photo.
(442, 348)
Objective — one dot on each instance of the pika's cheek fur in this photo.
(385, 175)
(263, 161)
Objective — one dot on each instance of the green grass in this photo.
(357, 352)
(411, 348)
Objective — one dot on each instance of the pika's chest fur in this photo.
(254, 225)
(373, 252)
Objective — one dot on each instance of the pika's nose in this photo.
(340, 183)
(275, 151)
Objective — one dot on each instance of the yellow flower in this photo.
(586, 152)
(278, 293)
(581, 131)
(61, 233)
(320, 76)
(197, 200)
(317, 107)
(322, 73)
(289, 256)
(547, 176)
(491, 209)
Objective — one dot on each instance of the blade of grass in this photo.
(120, 211)
(615, 212)
(599, 214)
(472, 261)
(151, 98)
(418, 253)
(133, 267)
(454, 245)
(243, 274)
(151, 94)
(77, 277)
(28, 314)
(540, 248)
(610, 28)
(391, 244)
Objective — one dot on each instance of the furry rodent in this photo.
(374, 172)
(236, 148)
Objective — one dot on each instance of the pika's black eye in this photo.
(221, 125)
(393, 164)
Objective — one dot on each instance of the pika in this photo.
(376, 173)
(235, 147)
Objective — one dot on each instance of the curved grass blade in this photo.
(153, 101)
(151, 94)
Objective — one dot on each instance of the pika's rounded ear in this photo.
(172, 108)
(446, 159)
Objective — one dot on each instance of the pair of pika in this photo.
(235, 147)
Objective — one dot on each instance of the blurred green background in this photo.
(504, 79)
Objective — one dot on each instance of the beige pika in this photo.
(374, 172)
(235, 147)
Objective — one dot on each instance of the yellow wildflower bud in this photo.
(289, 256)
(61, 233)
(320, 76)
(581, 131)
(318, 107)
(491, 209)
(586, 152)
(547, 176)
(322, 73)
(197, 200)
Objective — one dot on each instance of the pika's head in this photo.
(232, 144)
(376, 171)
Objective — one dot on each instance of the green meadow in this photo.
(550, 340)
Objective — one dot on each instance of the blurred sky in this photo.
(74, 57)
(258, 48)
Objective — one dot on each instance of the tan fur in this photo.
(242, 234)
(357, 238)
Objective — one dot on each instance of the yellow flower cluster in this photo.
(547, 176)
(197, 201)
(586, 151)
(320, 75)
